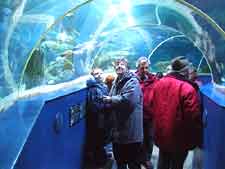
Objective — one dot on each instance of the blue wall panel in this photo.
(53, 143)
(214, 132)
(205, 78)
(16, 123)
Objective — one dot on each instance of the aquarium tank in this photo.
(48, 44)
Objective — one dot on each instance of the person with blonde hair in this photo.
(109, 81)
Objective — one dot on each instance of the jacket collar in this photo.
(150, 78)
(181, 77)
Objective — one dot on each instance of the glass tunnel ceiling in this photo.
(50, 42)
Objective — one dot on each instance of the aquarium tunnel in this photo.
(48, 48)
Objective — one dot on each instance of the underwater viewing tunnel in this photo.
(48, 49)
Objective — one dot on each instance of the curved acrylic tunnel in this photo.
(49, 42)
(49, 45)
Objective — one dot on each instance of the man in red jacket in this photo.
(176, 116)
(146, 80)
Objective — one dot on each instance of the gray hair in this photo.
(118, 60)
(142, 59)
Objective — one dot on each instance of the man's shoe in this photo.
(148, 165)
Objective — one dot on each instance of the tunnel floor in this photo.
(187, 165)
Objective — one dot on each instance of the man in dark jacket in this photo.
(146, 80)
(96, 119)
(127, 111)
(176, 116)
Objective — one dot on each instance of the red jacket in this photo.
(146, 87)
(176, 114)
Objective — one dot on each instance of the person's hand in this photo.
(107, 99)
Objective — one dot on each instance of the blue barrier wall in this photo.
(214, 131)
(16, 124)
(58, 136)
(205, 78)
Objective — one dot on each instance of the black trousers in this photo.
(171, 160)
(148, 140)
(95, 152)
(127, 155)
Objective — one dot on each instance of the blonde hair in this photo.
(109, 80)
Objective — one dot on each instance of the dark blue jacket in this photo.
(127, 110)
(95, 105)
